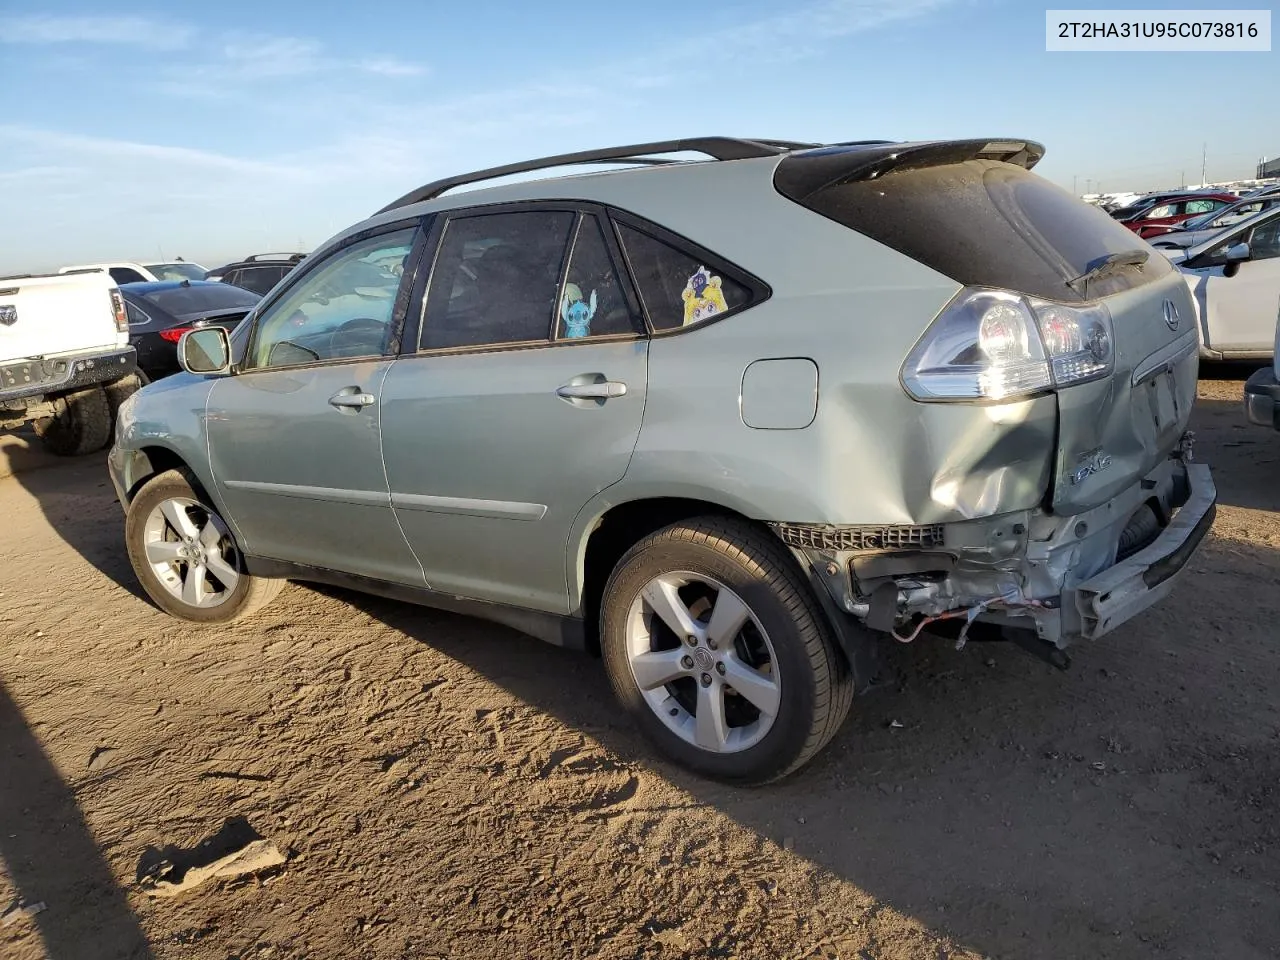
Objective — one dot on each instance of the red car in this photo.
(1157, 219)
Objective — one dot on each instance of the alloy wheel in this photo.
(702, 661)
(190, 550)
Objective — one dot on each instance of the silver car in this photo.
(732, 423)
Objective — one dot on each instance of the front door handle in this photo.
(592, 391)
(351, 400)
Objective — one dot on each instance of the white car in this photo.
(128, 271)
(1235, 280)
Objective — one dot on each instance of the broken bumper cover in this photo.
(1057, 576)
(1117, 594)
(1262, 399)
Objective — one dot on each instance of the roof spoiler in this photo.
(804, 172)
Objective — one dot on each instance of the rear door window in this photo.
(678, 289)
(592, 301)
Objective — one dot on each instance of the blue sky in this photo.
(217, 130)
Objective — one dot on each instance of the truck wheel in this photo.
(185, 556)
(716, 647)
(118, 391)
(81, 423)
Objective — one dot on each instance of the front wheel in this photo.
(714, 644)
(185, 556)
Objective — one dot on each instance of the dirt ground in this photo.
(444, 788)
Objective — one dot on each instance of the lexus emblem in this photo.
(1171, 318)
(8, 314)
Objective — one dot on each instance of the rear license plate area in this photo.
(1164, 402)
(33, 373)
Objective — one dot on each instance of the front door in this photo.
(1241, 301)
(521, 400)
(294, 435)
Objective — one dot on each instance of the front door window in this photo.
(339, 310)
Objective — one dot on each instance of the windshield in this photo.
(206, 297)
(176, 271)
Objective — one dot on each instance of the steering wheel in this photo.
(352, 330)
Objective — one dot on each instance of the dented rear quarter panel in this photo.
(872, 454)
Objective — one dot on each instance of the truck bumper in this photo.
(53, 375)
(1262, 399)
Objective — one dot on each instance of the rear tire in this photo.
(81, 423)
(118, 391)
(768, 650)
(185, 556)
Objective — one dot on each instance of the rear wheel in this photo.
(715, 646)
(185, 556)
(81, 423)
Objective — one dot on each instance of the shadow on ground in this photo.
(51, 857)
(1127, 807)
(71, 494)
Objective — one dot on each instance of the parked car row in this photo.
(257, 272)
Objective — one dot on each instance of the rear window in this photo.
(175, 271)
(678, 290)
(214, 296)
(984, 222)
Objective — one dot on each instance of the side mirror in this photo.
(1238, 252)
(206, 350)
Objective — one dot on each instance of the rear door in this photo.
(519, 400)
(295, 434)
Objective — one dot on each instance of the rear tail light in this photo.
(174, 334)
(996, 345)
(117, 308)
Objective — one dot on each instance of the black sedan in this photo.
(160, 313)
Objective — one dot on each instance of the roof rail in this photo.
(255, 257)
(718, 148)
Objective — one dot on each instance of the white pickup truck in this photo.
(65, 360)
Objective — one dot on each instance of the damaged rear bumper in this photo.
(1064, 577)
(1115, 595)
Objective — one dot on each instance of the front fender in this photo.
(166, 415)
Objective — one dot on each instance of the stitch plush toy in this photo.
(702, 297)
(576, 313)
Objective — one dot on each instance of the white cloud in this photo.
(108, 150)
(156, 34)
(391, 67)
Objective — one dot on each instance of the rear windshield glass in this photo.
(215, 296)
(988, 223)
(176, 271)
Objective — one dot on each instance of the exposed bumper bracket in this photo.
(1122, 591)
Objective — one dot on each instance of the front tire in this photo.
(81, 423)
(715, 645)
(185, 555)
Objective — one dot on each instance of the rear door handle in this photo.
(351, 400)
(593, 391)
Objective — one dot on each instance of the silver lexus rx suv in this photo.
(732, 422)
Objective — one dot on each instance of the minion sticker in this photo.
(702, 297)
(576, 313)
